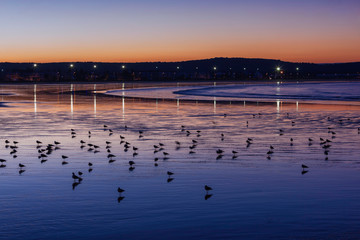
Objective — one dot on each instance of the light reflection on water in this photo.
(253, 197)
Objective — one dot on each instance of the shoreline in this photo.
(182, 81)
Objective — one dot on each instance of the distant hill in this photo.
(221, 64)
(214, 68)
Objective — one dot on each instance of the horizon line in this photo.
(189, 60)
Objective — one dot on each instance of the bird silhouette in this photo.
(120, 190)
(207, 188)
(75, 177)
(304, 166)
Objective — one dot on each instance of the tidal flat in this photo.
(250, 150)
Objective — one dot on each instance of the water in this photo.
(336, 91)
(293, 91)
(252, 197)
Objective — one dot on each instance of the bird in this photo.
(219, 151)
(56, 143)
(38, 142)
(90, 164)
(304, 166)
(21, 165)
(64, 157)
(207, 188)
(76, 177)
(131, 163)
(170, 173)
(2, 160)
(80, 173)
(120, 190)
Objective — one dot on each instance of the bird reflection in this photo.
(170, 179)
(90, 170)
(119, 199)
(75, 184)
(303, 172)
(21, 171)
(207, 196)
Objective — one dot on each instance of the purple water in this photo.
(253, 197)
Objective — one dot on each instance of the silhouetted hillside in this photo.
(218, 68)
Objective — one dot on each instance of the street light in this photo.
(71, 65)
(215, 68)
(35, 65)
(278, 68)
(95, 66)
(123, 66)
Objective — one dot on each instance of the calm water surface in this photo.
(253, 196)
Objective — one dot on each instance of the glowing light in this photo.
(95, 66)
(244, 69)
(178, 68)
(297, 69)
(278, 69)
(35, 65)
(71, 65)
(215, 68)
(123, 66)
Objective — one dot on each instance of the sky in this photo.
(319, 31)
